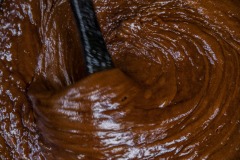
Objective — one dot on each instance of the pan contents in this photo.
(174, 93)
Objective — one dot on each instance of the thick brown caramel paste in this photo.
(175, 92)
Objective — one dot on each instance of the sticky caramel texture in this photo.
(174, 93)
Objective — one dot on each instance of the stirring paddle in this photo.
(96, 55)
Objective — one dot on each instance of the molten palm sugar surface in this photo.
(175, 92)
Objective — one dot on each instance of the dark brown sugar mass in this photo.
(174, 93)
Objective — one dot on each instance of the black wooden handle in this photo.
(96, 55)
